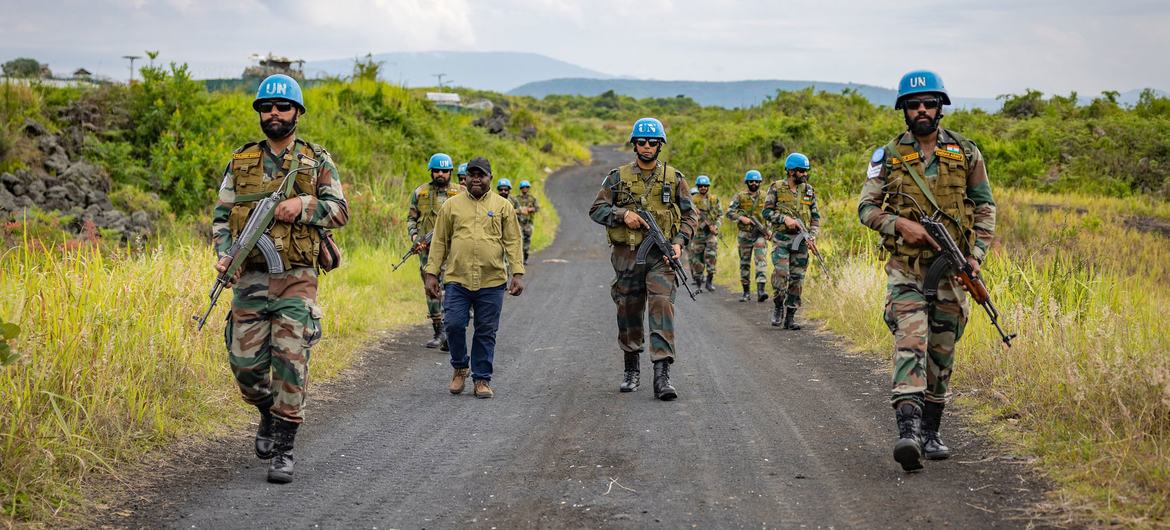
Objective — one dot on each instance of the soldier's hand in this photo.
(422, 245)
(288, 210)
(634, 221)
(223, 265)
(976, 268)
(790, 223)
(745, 220)
(914, 234)
(517, 286)
(432, 285)
(677, 251)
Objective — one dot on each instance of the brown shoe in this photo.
(482, 390)
(459, 380)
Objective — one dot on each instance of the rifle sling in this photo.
(918, 180)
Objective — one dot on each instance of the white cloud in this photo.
(380, 25)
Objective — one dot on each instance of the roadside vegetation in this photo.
(102, 362)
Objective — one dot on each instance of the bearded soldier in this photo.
(704, 249)
(420, 221)
(926, 167)
(275, 319)
(791, 206)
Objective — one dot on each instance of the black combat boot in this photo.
(698, 284)
(443, 346)
(761, 294)
(777, 312)
(908, 448)
(932, 445)
(632, 377)
(710, 278)
(790, 319)
(280, 471)
(264, 440)
(662, 388)
(526, 257)
(437, 340)
(747, 293)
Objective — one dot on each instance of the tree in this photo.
(22, 67)
(1027, 105)
(367, 69)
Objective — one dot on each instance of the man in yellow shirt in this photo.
(478, 239)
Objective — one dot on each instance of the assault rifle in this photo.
(804, 235)
(415, 248)
(760, 227)
(952, 261)
(655, 238)
(255, 236)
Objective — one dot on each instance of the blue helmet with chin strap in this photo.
(702, 180)
(753, 176)
(440, 161)
(796, 161)
(503, 183)
(279, 87)
(462, 169)
(648, 128)
(921, 82)
(525, 184)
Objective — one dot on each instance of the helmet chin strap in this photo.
(645, 158)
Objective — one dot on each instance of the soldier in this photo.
(649, 185)
(275, 319)
(504, 189)
(462, 174)
(791, 204)
(939, 170)
(477, 271)
(704, 249)
(748, 206)
(420, 221)
(526, 208)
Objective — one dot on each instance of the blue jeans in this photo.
(457, 303)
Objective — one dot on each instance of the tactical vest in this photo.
(949, 188)
(429, 204)
(708, 206)
(795, 205)
(632, 192)
(298, 244)
(751, 206)
(526, 202)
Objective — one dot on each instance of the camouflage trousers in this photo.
(273, 323)
(643, 293)
(924, 334)
(526, 232)
(788, 268)
(703, 251)
(434, 305)
(752, 249)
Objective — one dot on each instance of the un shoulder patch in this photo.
(879, 155)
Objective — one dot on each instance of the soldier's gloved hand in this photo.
(223, 265)
(914, 234)
(634, 221)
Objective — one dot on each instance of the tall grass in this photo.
(1086, 386)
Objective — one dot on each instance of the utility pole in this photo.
(132, 58)
(440, 78)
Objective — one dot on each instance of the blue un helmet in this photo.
(525, 184)
(440, 161)
(462, 169)
(648, 128)
(504, 183)
(796, 161)
(279, 86)
(702, 180)
(753, 176)
(921, 82)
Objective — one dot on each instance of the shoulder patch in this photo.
(946, 153)
(879, 156)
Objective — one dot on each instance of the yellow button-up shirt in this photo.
(478, 240)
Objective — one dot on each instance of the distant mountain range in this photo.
(496, 71)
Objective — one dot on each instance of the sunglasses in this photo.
(267, 106)
(930, 103)
(444, 171)
(643, 142)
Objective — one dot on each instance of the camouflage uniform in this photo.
(275, 319)
(752, 245)
(420, 220)
(925, 334)
(526, 200)
(704, 248)
(652, 285)
(788, 264)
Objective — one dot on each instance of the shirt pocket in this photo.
(493, 223)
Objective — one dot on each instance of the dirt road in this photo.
(771, 428)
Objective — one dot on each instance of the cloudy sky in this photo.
(981, 48)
